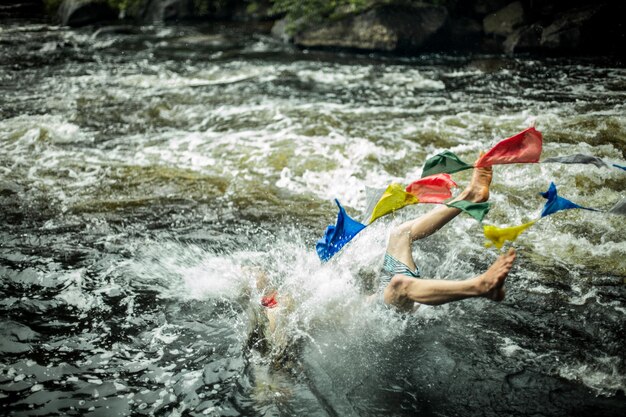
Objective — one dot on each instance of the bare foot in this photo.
(478, 189)
(492, 281)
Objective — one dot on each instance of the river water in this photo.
(143, 172)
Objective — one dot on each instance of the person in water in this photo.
(401, 285)
(400, 282)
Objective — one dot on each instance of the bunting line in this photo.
(577, 159)
(435, 186)
(445, 162)
(556, 203)
(433, 189)
(336, 237)
(448, 162)
(498, 236)
(476, 210)
(523, 148)
(394, 198)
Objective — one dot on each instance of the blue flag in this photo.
(335, 237)
(556, 203)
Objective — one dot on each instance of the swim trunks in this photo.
(391, 267)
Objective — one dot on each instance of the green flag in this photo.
(445, 162)
(476, 210)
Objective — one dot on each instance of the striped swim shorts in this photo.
(391, 267)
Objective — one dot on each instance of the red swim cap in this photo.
(269, 301)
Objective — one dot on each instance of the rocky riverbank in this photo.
(552, 27)
(549, 27)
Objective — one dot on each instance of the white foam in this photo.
(187, 272)
(74, 295)
(511, 349)
(603, 376)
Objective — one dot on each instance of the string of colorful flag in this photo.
(435, 186)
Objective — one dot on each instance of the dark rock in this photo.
(566, 32)
(504, 21)
(77, 13)
(166, 10)
(384, 28)
(527, 38)
(462, 33)
(484, 7)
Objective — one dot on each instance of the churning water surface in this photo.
(143, 172)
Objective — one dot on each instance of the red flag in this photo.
(432, 189)
(524, 147)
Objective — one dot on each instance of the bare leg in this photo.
(399, 245)
(403, 291)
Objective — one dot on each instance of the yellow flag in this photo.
(496, 236)
(394, 198)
